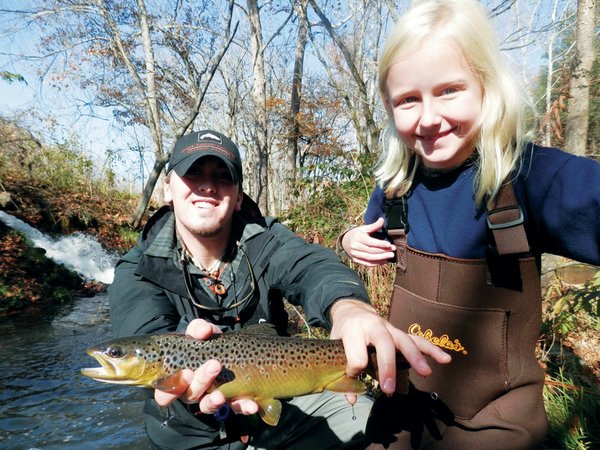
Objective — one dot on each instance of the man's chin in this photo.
(206, 232)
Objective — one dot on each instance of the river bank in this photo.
(30, 279)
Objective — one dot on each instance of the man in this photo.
(209, 262)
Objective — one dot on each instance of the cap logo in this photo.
(213, 137)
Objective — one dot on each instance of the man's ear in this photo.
(238, 204)
(168, 197)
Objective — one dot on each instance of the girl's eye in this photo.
(450, 91)
(408, 100)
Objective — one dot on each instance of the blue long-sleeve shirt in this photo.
(558, 192)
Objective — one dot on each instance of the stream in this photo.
(45, 403)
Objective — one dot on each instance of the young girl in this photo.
(469, 206)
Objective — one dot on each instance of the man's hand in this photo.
(192, 385)
(359, 326)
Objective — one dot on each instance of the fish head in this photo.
(124, 361)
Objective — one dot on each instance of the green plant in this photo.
(574, 308)
(573, 413)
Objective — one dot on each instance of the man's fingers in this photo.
(203, 378)
(211, 403)
(201, 329)
(244, 406)
(432, 350)
(183, 379)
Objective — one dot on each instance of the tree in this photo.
(579, 85)
(152, 69)
(295, 104)
(257, 160)
(360, 60)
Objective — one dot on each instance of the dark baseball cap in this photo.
(191, 147)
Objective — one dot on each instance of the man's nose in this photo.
(206, 184)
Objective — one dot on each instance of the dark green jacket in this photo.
(149, 295)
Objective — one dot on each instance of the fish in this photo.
(256, 364)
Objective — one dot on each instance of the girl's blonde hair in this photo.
(499, 141)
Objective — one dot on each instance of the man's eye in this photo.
(224, 178)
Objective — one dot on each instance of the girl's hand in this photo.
(366, 250)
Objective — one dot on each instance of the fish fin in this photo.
(260, 328)
(168, 383)
(269, 410)
(347, 385)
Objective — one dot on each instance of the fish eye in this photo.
(115, 352)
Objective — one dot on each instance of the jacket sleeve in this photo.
(311, 276)
(138, 306)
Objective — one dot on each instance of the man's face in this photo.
(205, 199)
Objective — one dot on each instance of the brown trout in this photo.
(257, 364)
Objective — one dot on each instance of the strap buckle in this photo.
(511, 223)
(396, 210)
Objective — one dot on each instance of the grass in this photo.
(573, 413)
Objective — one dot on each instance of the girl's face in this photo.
(435, 101)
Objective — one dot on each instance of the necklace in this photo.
(213, 270)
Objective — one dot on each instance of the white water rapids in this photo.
(79, 252)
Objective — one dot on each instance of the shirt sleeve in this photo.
(563, 196)
(375, 206)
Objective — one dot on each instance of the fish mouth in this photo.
(107, 371)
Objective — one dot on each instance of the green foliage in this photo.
(12, 77)
(326, 208)
(332, 195)
(573, 413)
(127, 235)
(575, 308)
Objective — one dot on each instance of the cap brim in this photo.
(183, 166)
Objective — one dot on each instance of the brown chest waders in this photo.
(486, 313)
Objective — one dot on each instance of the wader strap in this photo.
(505, 220)
(399, 238)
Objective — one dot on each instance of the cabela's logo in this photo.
(442, 341)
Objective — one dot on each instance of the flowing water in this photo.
(45, 403)
(78, 251)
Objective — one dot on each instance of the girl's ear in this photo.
(386, 104)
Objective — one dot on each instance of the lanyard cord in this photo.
(190, 289)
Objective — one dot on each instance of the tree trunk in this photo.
(579, 85)
(367, 132)
(136, 218)
(295, 102)
(257, 153)
(547, 131)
